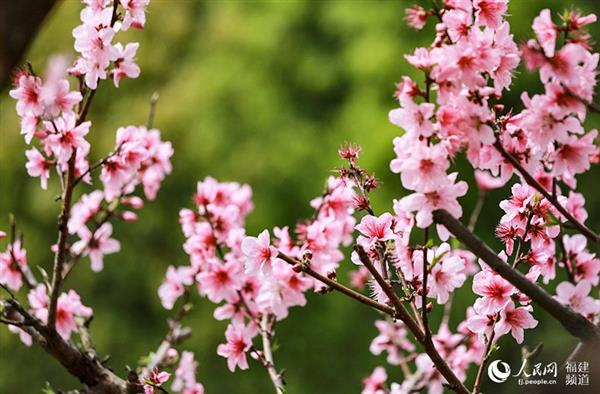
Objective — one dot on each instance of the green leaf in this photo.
(48, 389)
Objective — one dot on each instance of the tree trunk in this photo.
(19, 22)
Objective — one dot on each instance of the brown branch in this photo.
(269, 363)
(400, 313)
(486, 356)
(591, 105)
(408, 294)
(97, 165)
(477, 210)
(114, 15)
(86, 106)
(573, 322)
(579, 351)
(87, 369)
(337, 286)
(582, 228)
(67, 197)
(86, 338)
(59, 257)
(424, 339)
(387, 289)
(175, 335)
(152, 112)
(424, 319)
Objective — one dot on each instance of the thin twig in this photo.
(152, 112)
(564, 257)
(426, 328)
(86, 107)
(411, 300)
(175, 335)
(8, 291)
(447, 310)
(337, 285)
(269, 363)
(59, 257)
(521, 240)
(67, 196)
(113, 18)
(486, 356)
(477, 210)
(591, 105)
(582, 228)
(97, 165)
(86, 339)
(453, 381)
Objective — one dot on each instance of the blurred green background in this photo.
(261, 93)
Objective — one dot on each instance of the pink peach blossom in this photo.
(515, 320)
(259, 252)
(239, 341)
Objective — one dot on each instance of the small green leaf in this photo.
(437, 259)
(48, 389)
(145, 360)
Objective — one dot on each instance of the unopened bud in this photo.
(129, 216)
(343, 172)
(134, 202)
(307, 255)
(171, 355)
(18, 73)
(257, 354)
(361, 202)
(332, 275)
(349, 152)
(370, 183)
(498, 108)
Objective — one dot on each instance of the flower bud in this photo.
(171, 355)
(129, 216)
(134, 202)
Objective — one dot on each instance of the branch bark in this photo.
(59, 257)
(337, 286)
(573, 322)
(486, 356)
(398, 312)
(423, 337)
(582, 228)
(275, 376)
(89, 370)
(175, 335)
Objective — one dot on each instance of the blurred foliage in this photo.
(261, 93)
